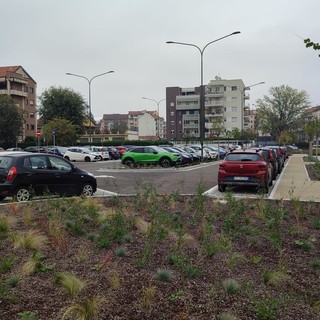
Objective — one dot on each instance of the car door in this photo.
(40, 175)
(151, 155)
(66, 181)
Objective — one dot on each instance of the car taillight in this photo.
(262, 166)
(11, 174)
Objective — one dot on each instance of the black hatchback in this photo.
(24, 175)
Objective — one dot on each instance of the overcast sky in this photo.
(89, 37)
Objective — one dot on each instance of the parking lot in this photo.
(115, 179)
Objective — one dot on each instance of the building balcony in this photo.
(14, 93)
(191, 126)
(215, 94)
(209, 103)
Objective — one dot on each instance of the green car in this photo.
(149, 155)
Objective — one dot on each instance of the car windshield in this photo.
(158, 149)
(242, 157)
(5, 162)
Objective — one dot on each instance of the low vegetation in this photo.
(160, 257)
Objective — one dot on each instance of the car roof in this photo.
(17, 153)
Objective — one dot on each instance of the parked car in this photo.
(244, 168)
(35, 149)
(194, 156)
(13, 149)
(101, 152)
(149, 155)
(222, 152)
(24, 175)
(57, 150)
(185, 158)
(270, 155)
(212, 154)
(280, 157)
(79, 154)
(113, 153)
(121, 150)
(205, 153)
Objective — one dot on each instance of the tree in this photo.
(309, 43)
(282, 111)
(313, 130)
(119, 127)
(63, 130)
(65, 103)
(10, 121)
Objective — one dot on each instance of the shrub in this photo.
(70, 283)
(86, 309)
(231, 286)
(164, 275)
(32, 239)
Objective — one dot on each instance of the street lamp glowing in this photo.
(202, 93)
(89, 101)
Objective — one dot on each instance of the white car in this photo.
(102, 152)
(80, 154)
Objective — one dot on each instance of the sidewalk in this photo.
(294, 182)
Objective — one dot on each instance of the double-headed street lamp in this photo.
(89, 101)
(158, 122)
(202, 95)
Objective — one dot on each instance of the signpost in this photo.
(38, 134)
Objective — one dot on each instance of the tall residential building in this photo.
(17, 83)
(224, 105)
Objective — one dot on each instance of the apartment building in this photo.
(147, 123)
(224, 104)
(17, 83)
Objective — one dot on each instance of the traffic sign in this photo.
(38, 133)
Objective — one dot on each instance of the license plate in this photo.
(241, 178)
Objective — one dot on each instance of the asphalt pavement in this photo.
(292, 183)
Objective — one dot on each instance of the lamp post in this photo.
(89, 101)
(202, 95)
(157, 102)
(242, 106)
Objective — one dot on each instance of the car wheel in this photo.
(87, 190)
(67, 158)
(128, 162)
(165, 163)
(22, 194)
(101, 158)
(87, 159)
(221, 188)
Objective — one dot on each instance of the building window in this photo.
(171, 104)
(172, 113)
(31, 114)
(234, 88)
(234, 109)
(31, 102)
(172, 131)
(234, 119)
(32, 127)
(30, 90)
(172, 123)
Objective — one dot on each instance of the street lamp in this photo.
(158, 122)
(242, 105)
(89, 82)
(202, 95)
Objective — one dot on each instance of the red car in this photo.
(121, 150)
(245, 168)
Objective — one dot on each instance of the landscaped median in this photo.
(160, 257)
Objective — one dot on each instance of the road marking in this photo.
(103, 176)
